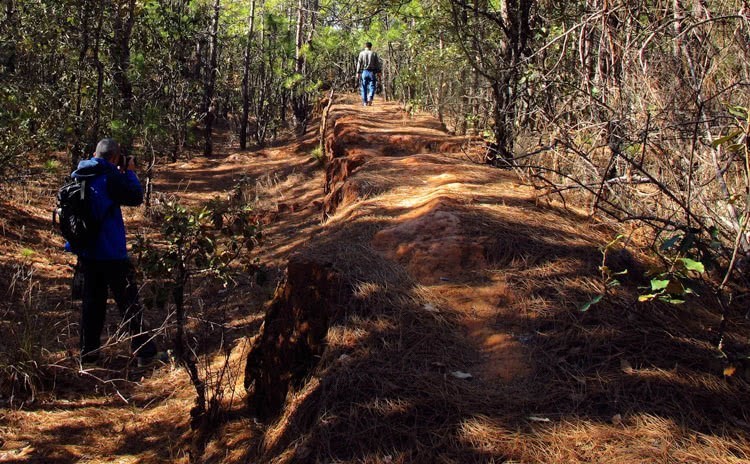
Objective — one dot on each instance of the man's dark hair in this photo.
(107, 149)
(368, 44)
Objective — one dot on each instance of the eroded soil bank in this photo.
(434, 317)
(420, 307)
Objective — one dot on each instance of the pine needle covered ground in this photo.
(436, 318)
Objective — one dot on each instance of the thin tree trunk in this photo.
(78, 150)
(259, 132)
(314, 6)
(210, 83)
(298, 98)
(124, 19)
(440, 78)
(94, 131)
(246, 97)
(391, 68)
(10, 13)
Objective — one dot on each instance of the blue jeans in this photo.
(368, 85)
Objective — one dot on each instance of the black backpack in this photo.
(74, 215)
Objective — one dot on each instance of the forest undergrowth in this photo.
(212, 232)
(455, 316)
(540, 254)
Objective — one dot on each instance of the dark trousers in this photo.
(98, 278)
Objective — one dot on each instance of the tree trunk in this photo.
(78, 150)
(516, 15)
(260, 105)
(246, 97)
(503, 121)
(123, 21)
(10, 13)
(210, 83)
(440, 78)
(299, 98)
(93, 134)
(313, 6)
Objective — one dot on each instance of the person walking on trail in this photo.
(111, 183)
(368, 68)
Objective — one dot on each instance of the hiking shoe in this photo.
(147, 361)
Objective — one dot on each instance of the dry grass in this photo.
(619, 383)
(639, 438)
(116, 413)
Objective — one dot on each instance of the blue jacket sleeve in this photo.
(125, 189)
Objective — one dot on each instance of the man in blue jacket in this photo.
(105, 262)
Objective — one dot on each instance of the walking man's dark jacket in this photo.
(108, 189)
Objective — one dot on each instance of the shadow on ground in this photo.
(374, 355)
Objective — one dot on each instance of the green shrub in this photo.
(51, 166)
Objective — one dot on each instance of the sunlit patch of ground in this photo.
(115, 414)
(464, 341)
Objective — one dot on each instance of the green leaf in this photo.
(27, 252)
(659, 284)
(588, 305)
(692, 265)
(725, 139)
(648, 297)
(738, 112)
(735, 147)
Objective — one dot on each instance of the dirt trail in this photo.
(434, 318)
(426, 312)
(405, 192)
(412, 172)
